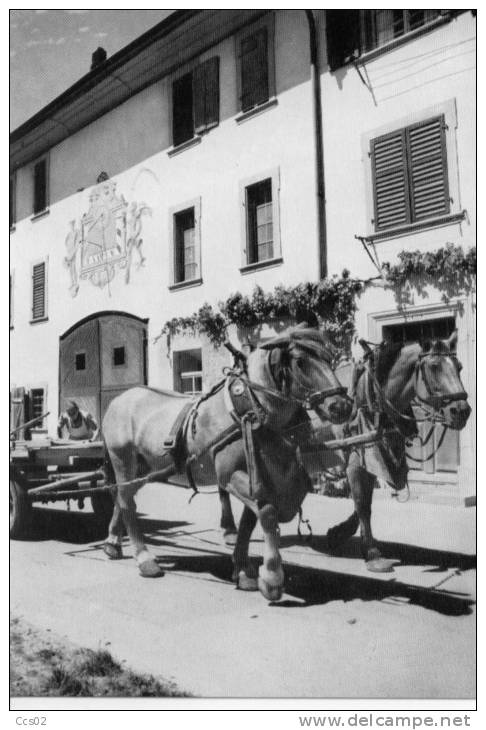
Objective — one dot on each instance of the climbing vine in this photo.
(448, 269)
(330, 303)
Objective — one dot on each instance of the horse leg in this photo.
(362, 484)
(112, 546)
(270, 574)
(227, 520)
(126, 470)
(244, 574)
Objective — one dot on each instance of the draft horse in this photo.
(393, 378)
(235, 436)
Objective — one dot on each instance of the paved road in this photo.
(339, 631)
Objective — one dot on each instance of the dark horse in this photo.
(235, 436)
(394, 378)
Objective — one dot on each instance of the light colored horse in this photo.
(291, 371)
(395, 378)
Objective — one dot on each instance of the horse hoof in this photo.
(271, 593)
(380, 565)
(229, 537)
(150, 569)
(246, 583)
(114, 552)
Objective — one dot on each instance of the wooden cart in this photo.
(45, 470)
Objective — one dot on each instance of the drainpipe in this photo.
(317, 113)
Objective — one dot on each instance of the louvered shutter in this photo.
(254, 69)
(342, 36)
(429, 188)
(17, 410)
(40, 186)
(39, 291)
(206, 95)
(182, 111)
(390, 180)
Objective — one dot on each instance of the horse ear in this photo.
(452, 341)
(367, 349)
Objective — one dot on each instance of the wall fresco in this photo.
(108, 237)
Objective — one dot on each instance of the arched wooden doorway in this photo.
(100, 357)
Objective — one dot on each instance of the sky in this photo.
(51, 49)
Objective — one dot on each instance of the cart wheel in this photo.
(102, 504)
(20, 510)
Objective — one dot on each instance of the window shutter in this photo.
(17, 410)
(182, 112)
(38, 291)
(254, 69)
(40, 187)
(390, 180)
(206, 95)
(429, 187)
(342, 36)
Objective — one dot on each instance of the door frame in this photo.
(457, 308)
(97, 316)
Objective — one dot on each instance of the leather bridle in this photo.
(435, 401)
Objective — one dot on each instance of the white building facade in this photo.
(184, 168)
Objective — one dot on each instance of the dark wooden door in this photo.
(101, 358)
(440, 453)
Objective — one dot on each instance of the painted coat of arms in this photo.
(106, 238)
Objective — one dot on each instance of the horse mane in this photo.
(384, 357)
(310, 339)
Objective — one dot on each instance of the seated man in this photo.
(80, 425)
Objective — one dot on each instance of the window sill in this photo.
(185, 284)
(411, 228)
(188, 144)
(410, 36)
(244, 116)
(41, 214)
(267, 263)
(40, 319)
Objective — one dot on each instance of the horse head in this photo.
(438, 382)
(300, 364)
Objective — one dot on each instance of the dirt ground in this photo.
(43, 664)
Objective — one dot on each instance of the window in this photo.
(40, 186)
(185, 236)
(255, 65)
(422, 331)
(188, 371)
(195, 101)
(379, 27)
(409, 172)
(119, 357)
(261, 220)
(80, 361)
(36, 403)
(39, 277)
(12, 200)
(350, 33)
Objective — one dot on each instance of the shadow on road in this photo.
(304, 585)
(81, 527)
(405, 554)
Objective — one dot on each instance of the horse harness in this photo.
(377, 403)
(249, 416)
